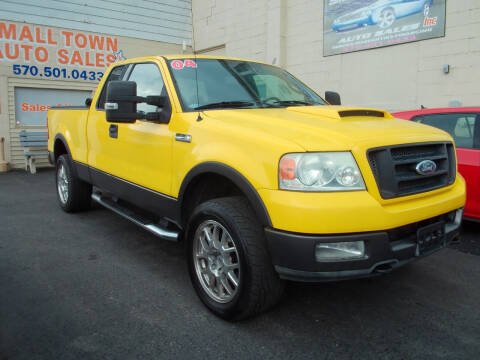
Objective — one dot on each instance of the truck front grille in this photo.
(394, 168)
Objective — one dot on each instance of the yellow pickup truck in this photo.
(263, 179)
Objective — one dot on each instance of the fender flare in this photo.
(65, 144)
(64, 141)
(235, 177)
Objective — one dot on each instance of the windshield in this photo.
(237, 84)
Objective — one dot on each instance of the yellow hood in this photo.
(331, 127)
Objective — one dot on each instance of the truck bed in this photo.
(73, 125)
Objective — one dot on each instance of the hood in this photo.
(330, 127)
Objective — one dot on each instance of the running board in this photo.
(135, 218)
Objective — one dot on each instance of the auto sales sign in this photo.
(354, 25)
(53, 53)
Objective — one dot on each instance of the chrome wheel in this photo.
(62, 183)
(216, 261)
(386, 19)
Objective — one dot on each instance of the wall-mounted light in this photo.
(446, 69)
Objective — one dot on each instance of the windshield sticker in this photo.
(179, 64)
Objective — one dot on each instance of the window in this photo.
(214, 81)
(270, 86)
(149, 82)
(464, 128)
(115, 74)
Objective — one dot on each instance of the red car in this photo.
(463, 124)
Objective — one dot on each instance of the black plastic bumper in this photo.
(293, 254)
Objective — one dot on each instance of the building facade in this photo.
(55, 53)
(442, 70)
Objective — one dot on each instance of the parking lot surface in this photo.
(95, 286)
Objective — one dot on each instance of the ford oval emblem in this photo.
(426, 167)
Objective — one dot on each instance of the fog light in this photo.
(458, 217)
(340, 251)
(454, 220)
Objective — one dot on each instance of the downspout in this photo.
(276, 29)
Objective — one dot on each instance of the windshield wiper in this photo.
(225, 104)
(292, 102)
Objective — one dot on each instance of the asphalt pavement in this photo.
(95, 286)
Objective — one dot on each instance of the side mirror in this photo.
(121, 104)
(88, 102)
(158, 101)
(333, 98)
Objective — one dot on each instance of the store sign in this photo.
(31, 105)
(46, 52)
(353, 25)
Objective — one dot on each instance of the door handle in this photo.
(113, 131)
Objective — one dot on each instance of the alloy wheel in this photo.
(216, 261)
(62, 184)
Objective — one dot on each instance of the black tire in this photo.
(78, 193)
(259, 287)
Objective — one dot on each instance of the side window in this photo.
(115, 74)
(464, 127)
(460, 126)
(149, 82)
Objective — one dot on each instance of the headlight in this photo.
(325, 171)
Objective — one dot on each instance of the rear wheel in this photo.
(73, 194)
(229, 264)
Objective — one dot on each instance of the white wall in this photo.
(397, 77)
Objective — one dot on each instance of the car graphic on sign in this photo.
(382, 13)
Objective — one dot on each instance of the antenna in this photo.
(199, 118)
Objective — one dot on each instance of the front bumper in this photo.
(293, 255)
(356, 211)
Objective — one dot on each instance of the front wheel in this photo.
(229, 264)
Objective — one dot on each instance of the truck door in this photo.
(138, 153)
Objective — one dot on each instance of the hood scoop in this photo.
(340, 112)
(371, 113)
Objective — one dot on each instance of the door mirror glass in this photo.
(333, 98)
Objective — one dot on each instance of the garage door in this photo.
(31, 105)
